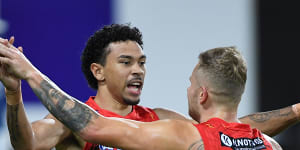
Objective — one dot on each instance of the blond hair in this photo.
(226, 69)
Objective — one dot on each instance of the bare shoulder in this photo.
(69, 140)
(47, 123)
(163, 113)
(275, 145)
(167, 114)
(50, 132)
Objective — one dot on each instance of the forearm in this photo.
(273, 122)
(78, 117)
(71, 112)
(20, 130)
(93, 127)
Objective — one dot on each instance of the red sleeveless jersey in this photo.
(218, 134)
(139, 113)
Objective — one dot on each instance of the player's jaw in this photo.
(133, 90)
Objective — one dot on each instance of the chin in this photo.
(131, 102)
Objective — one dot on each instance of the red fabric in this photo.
(139, 113)
(218, 134)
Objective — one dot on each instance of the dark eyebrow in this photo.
(130, 57)
(125, 56)
(143, 56)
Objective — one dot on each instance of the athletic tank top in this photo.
(139, 113)
(218, 134)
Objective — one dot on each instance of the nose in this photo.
(138, 69)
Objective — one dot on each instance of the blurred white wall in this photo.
(176, 31)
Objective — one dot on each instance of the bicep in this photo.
(48, 132)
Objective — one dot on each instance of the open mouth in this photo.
(135, 87)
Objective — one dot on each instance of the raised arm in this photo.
(270, 123)
(20, 131)
(42, 134)
(275, 121)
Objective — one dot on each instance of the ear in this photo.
(98, 71)
(203, 95)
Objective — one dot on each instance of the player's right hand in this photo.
(10, 82)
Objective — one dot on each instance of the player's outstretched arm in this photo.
(275, 121)
(270, 123)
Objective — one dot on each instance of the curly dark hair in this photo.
(96, 48)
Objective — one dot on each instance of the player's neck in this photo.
(226, 114)
(105, 100)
